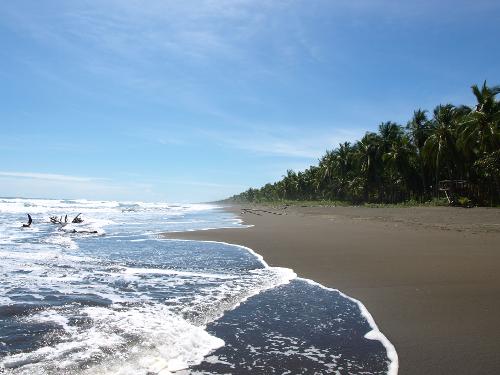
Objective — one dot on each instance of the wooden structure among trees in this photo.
(454, 189)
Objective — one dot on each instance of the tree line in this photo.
(454, 147)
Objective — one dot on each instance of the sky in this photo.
(192, 101)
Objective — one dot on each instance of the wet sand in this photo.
(429, 276)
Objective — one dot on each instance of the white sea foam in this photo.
(37, 259)
(136, 332)
(37, 206)
(63, 241)
(161, 343)
(374, 334)
(134, 271)
(259, 257)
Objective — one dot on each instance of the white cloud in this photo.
(205, 184)
(283, 141)
(49, 177)
(124, 40)
(50, 185)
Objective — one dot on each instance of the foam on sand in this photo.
(374, 334)
(127, 302)
(156, 341)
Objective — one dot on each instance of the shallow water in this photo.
(124, 301)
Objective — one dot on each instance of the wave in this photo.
(33, 205)
(127, 302)
(373, 334)
(164, 343)
(107, 318)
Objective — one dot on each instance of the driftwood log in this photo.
(30, 220)
(257, 211)
(59, 220)
(77, 219)
(83, 231)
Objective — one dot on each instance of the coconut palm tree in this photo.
(368, 157)
(458, 142)
(343, 164)
(290, 184)
(419, 130)
(440, 148)
(488, 170)
(327, 171)
(389, 133)
(480, 128)
(398, 164)
(315, 179)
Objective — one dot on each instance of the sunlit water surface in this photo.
(125, 301)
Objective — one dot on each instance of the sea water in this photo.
(110, 296)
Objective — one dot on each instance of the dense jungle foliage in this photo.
(454, 147)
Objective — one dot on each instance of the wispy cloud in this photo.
(124, 40)
(282, 141)
(49, 177)
(31, 184)
(167, 134)
(206, 184)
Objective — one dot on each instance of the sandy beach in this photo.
(429, 276)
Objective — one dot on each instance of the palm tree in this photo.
(327, 170)
(440, 147)
(419, 130)
(368, 155)
(313, 181)
(389, 132)
(480, 129)
(343, 164)
(398, 163)
(305, 185)
(488, 170)
(290, 184)
(280, 189)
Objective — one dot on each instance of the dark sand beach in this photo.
(429, 276)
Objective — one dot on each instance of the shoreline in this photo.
(428, 276)
(374, 334)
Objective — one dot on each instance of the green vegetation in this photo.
(407, 164)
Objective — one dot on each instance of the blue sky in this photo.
(198, 100)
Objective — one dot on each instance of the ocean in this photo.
(111, 296)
